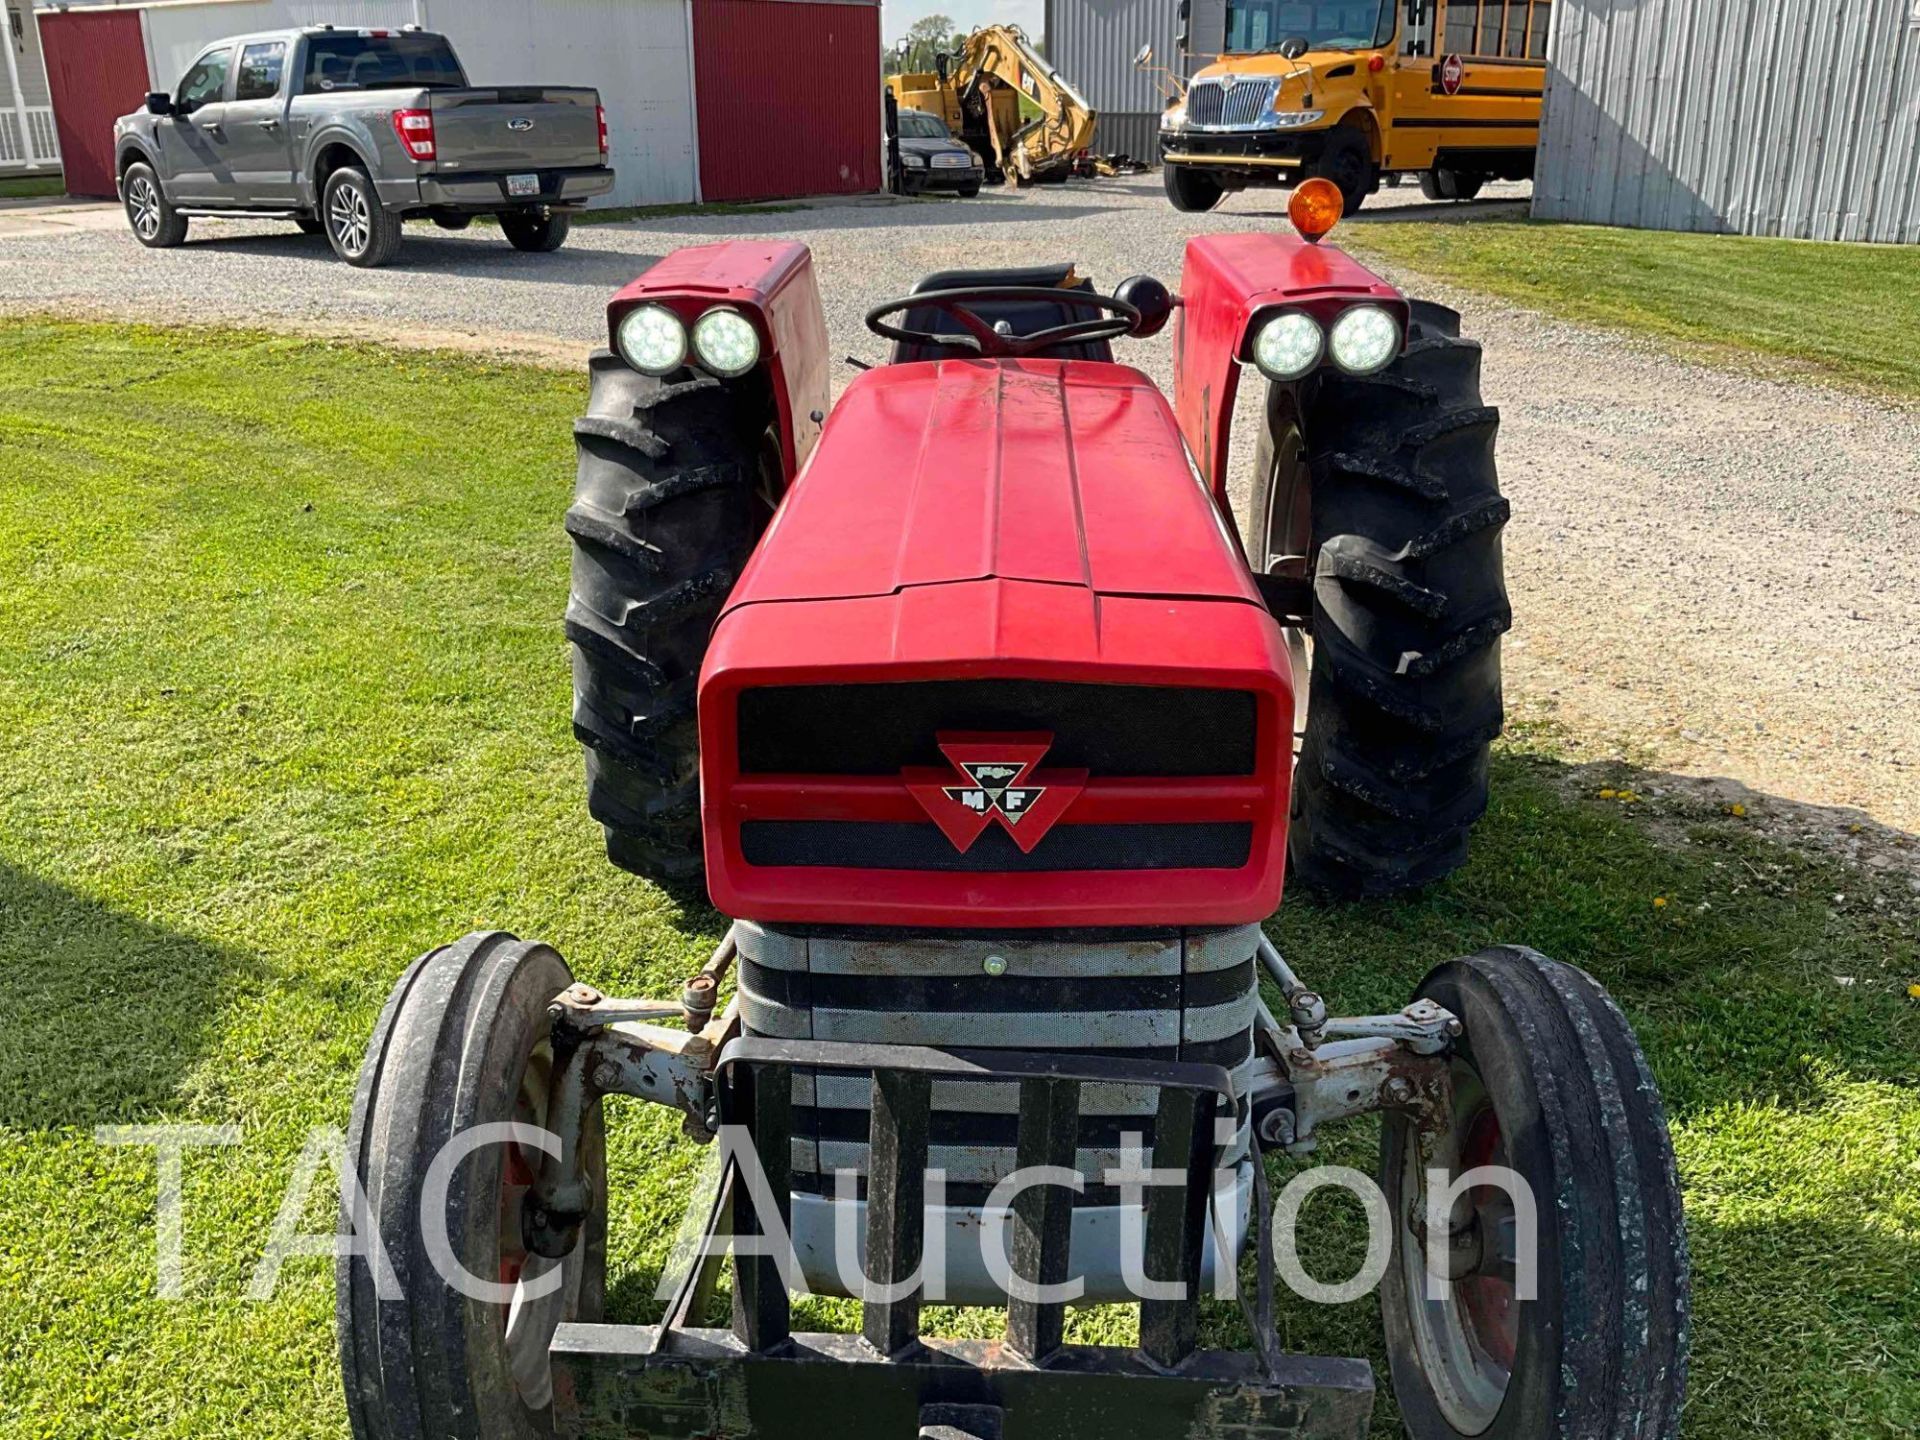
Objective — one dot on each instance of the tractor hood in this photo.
(1065, 473)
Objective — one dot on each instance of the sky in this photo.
(897, 15)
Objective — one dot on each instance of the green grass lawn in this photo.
(283, 702)
(27, 187)
(1847, 312)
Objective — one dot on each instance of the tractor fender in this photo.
(772, 283)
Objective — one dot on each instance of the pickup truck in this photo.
(348, 132)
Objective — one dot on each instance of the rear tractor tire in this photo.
(1549, 1084)
(465, 1041)
(1189, 189)
(673, 490)
(1381, 491)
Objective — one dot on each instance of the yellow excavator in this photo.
(977, 93)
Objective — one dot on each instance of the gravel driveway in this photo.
(1714, 573)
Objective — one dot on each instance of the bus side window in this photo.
(1416, 36)
(1496, 29)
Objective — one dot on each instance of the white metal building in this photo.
(1761, 117)
(1093, 43)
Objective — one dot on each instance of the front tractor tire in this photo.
(1547, 1082)
(1190, 189)
(465, 1041)
(674, 487)
(1381, 492)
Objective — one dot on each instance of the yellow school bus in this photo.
(1354, 90)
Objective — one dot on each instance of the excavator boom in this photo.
(978, 96)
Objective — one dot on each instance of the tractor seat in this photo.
(1024, 317)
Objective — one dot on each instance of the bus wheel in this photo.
(1443, 182)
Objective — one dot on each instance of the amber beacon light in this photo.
(1315, 208)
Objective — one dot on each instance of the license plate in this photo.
(523, 185)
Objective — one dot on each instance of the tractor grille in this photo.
(1241, 104)
(896, 845)
(1171, 995)
(1109, 730)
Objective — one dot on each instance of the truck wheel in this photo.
(362, 231)
(672, 493)
(1347, 161)
(156, 224)
(1382, 491)
(1191, 189)
(464, 1041)
(1443, 182)
(1549, 1083)
(536, 230)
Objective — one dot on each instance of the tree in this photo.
(927, 37)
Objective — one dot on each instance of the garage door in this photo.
(789, 98)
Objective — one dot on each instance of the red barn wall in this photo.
(96, 72)
(788, 98)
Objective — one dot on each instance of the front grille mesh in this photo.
(1212, 102)
(1176, 995)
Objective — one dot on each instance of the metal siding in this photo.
(1135, 135)
(1764, 117)
(97, 72)
(772, 126)
(634, 52)
(1093, 42)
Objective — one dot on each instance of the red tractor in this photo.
(995, 734)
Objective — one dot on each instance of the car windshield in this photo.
(1261, 25)
(918, 125)
(350, 60)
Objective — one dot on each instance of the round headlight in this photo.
(726, 342)
(653, 340)
(1364, 339)
(1289, 345)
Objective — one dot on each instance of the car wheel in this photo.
(968, 191)
(362, 231)
(156, 224)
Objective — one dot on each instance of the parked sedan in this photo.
(931, 159)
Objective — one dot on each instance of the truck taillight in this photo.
(415, 129)
(600, 114)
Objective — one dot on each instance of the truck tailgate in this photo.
(533, 127)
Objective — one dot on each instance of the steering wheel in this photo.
(983, 340)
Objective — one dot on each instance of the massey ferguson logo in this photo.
(1000, 782)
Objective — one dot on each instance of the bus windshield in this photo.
(1260, 25)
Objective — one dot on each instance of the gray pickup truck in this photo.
(348, 132)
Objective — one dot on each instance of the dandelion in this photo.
(1659, 902)
(1736, 810)
(1608, 794)
(1913, 992)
